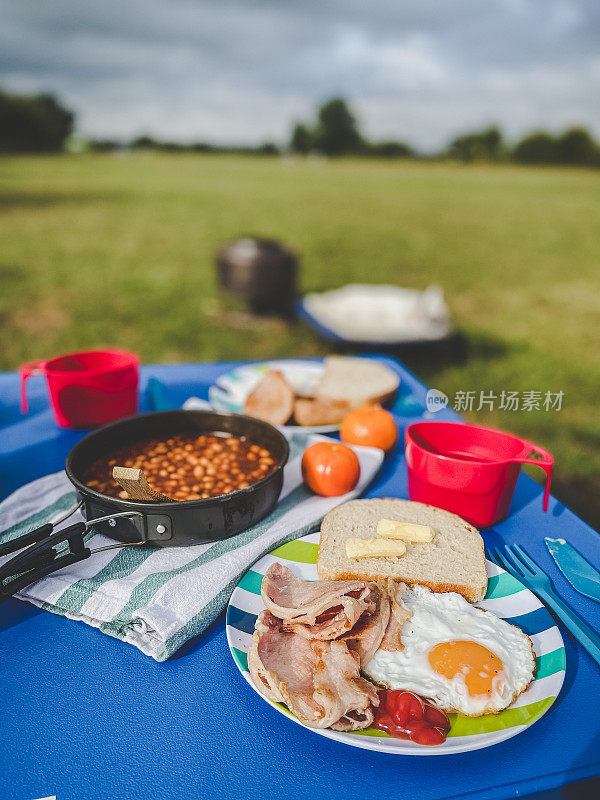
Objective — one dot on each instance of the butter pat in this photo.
(374, 548)
(406, 531)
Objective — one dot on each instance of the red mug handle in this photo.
(26, 371)
(533, 454)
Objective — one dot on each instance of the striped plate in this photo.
(231, 390)
(506, 597)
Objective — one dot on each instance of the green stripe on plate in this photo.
(524, 715)
(229, 404)
(371, 732)
(502, 585)
(302, 552)
(471, 726)
(251, 582)
(241, 659)
(284, 708)
(550, 663)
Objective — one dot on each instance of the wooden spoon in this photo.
(135, 484)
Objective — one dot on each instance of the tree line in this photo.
(41, 124)
(335, 132)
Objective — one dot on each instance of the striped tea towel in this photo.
(158, 598)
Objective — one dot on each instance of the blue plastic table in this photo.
(86, 717)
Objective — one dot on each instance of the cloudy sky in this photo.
(237, 71)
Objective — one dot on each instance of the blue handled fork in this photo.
(516, 561)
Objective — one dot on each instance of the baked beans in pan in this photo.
(186, 466)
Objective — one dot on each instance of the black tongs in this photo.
(43, 553)
(40, 558)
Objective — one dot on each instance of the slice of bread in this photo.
(272, 399)
(358, 380)
(321, 410)
(453, 562)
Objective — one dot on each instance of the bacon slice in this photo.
(319, 681)
(366, 636)
(317, 609)
(398, 616)
(309, 645)
(321, 410)
(339, 669)
(272, 399)
(282, 664)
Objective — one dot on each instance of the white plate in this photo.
(231, 390)
(506, 597)
(371, 315)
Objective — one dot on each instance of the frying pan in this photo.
(143, 523)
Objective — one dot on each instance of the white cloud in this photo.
(406, 63)
(235, 71)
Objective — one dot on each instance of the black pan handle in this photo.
(39, 557)
(27, 538)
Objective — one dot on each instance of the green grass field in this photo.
(104, 250)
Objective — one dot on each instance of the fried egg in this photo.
(460, 657)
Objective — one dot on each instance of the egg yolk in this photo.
(478, 665)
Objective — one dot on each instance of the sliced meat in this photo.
(339, 670)
(265, 624)
(398, 616)
(317, 609)
(321, 410)
(366, 636)
(318, 681)
(354, 721)
(282, 665)
(272, 399)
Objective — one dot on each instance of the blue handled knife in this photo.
(579, 572)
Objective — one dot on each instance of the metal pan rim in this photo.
(128, 504)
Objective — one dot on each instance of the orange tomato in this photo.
(372, 426)
(330, 469)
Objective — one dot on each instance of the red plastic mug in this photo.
(87, 389)
(469, 470)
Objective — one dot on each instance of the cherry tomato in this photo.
(436, 717)
(406, 715)
(330, 469)
(384, 722)
(372, 426)
(405, 706)
(426, 734)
